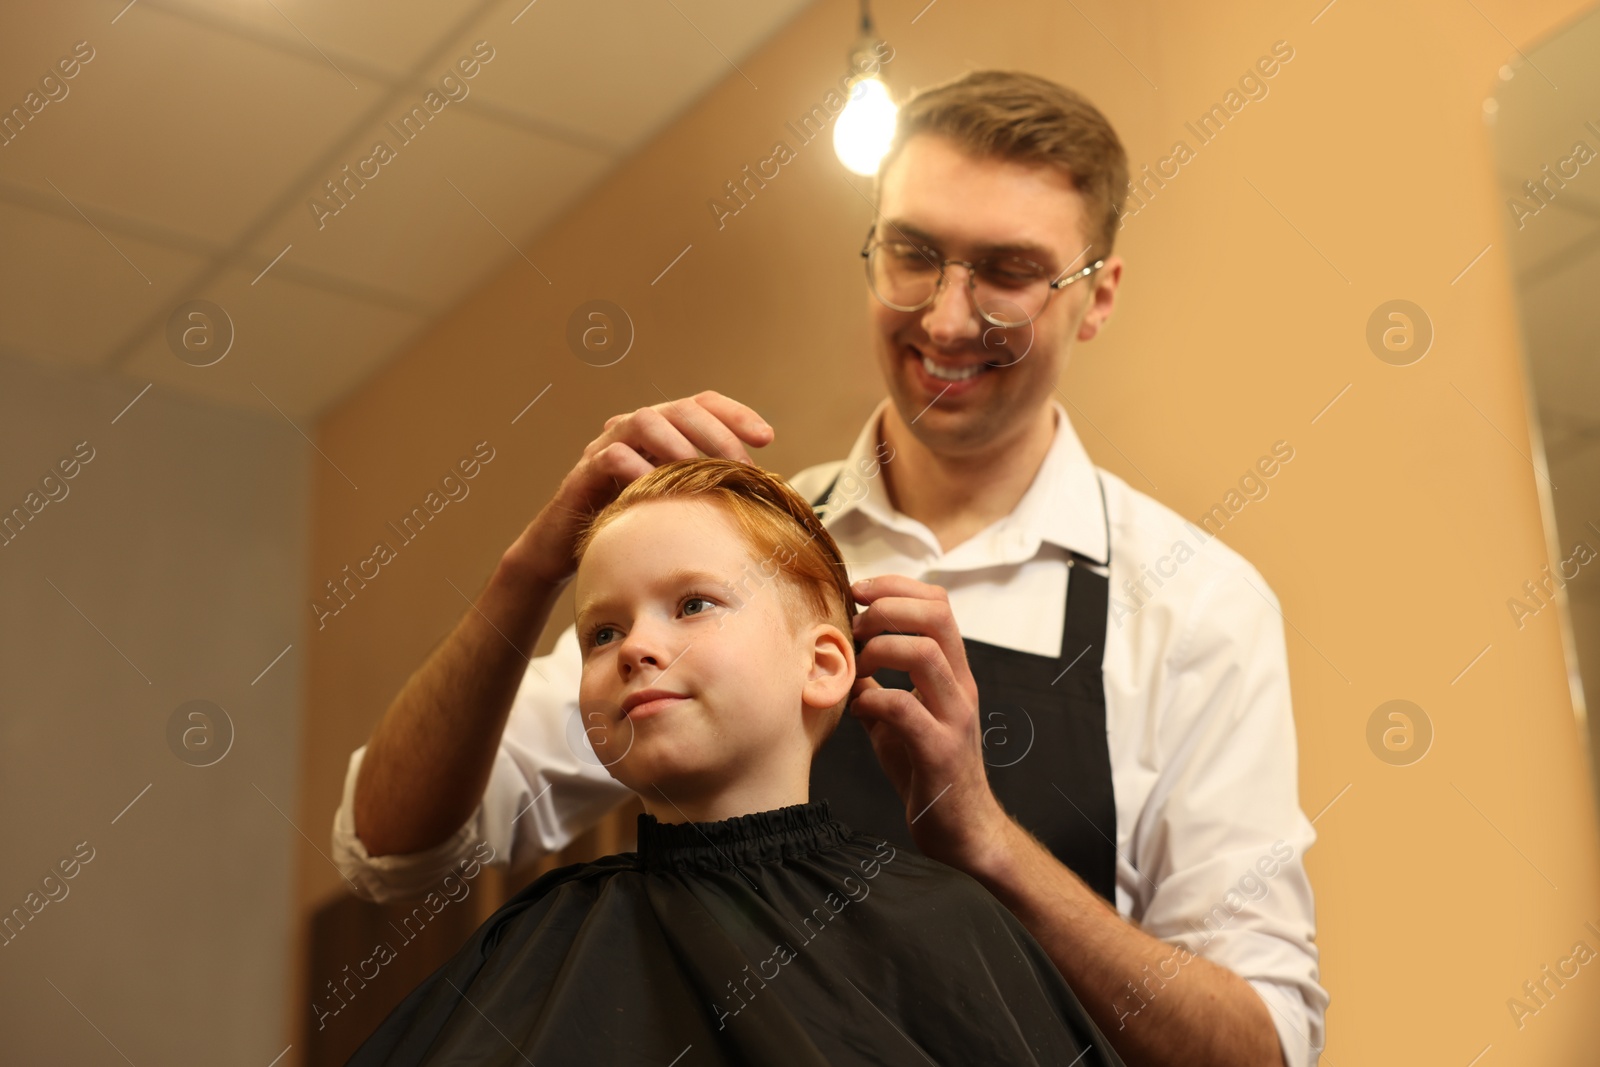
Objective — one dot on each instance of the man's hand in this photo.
(930, 744)
(928, 740)
(429, 760)
(631, 445)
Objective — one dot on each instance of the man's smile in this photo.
(942, 374)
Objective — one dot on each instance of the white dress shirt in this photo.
(1210, 835)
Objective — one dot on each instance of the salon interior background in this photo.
(186, 507)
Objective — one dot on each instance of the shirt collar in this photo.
(1063, 505)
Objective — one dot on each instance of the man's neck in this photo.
(958, 496)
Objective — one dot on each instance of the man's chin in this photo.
(941, 427)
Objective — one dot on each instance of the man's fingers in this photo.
(649, 431)
(717, 425)
(906, 717)
(904, 615)
(740, 419)
(898, 585)
(708, 423)
(922, 658)
(629, 446)
(908, 625)
(708, 432)
(862, 683)
(637, 442)
(620, 462)
(897, 604)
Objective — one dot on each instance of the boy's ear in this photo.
(833, 667)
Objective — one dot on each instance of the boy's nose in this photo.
(644, 646)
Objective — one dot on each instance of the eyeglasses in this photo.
(1007, 290)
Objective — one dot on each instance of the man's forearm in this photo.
(428, 762)
(1157, 1003)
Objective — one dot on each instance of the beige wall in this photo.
(165, 569)
(1393, 538)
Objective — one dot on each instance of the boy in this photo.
(749, 926)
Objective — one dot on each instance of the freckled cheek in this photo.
(596, 692)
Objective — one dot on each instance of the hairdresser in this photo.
(1119, 770)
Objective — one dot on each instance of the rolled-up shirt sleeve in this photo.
(1222, 839)
(546, 786)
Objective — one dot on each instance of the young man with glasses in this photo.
(1128, 789)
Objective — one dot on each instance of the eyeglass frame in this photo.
(972, 280)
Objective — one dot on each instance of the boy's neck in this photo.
(738, 798)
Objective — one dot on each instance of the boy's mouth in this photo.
(648, 702)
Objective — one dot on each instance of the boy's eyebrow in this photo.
(678, 576)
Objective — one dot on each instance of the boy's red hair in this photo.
(782, 531)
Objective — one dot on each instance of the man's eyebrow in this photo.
(677, 577)
(1032, 249)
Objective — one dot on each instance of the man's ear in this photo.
(833, 668)
(1101, 300)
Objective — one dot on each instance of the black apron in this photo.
(1043, 720)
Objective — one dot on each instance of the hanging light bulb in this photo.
(862, 132)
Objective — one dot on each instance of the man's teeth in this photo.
(951, 374)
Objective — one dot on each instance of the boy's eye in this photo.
(597, 634)
(695, 600)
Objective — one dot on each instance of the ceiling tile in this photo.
(619, 68)
(184, 127)
(199, 132)
(294, 346)
(377, 35)
(408, 229)
(67, 294)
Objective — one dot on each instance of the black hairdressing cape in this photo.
(781, 937)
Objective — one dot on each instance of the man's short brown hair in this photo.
(1023, 118)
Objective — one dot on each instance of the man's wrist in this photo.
(517, 602)
(524, 571)
(992, 856)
